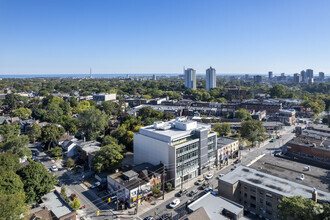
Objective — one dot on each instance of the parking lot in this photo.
(290, 170)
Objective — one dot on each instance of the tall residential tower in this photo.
(211, 78)
(190, 78)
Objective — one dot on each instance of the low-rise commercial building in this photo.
(187, 148)
(260, 192)
(310, 147)
(227, 148)
(217, 207)
(58, 208)
(286, 116)
(104, 97)
(271, 106)
(128, 187)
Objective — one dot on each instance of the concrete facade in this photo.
(186, 148)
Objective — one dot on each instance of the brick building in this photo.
(271, 106)
(260, 193)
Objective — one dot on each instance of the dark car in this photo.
(181, 193)
(204, 186)
(192, 193)
(166, 216)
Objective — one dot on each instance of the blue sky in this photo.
(162, 36)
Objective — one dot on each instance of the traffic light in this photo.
(98, 213)
(109, 200)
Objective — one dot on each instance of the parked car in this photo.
(149, 218)
(54, 168)
(192, 193)
(209, 176)
(166, 216)
(204, 186)
(95, 185)
(301, 177)
(181, 193)
(220, 175)
(233, 168)
(175, 203)
(308, 168)
(200, 181)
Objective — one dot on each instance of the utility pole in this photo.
(117, 199)
(163, 180)
(181, 182)
(137, 199)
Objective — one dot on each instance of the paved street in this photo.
(247, 156)
(94, 203)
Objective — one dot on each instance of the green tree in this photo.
(17, 145)
(8, 131)
(222, 129)
(69, 162)
(22, 113)
(9, 161)
(37, 181)
(75, 204)
(70, 124)
(277, 91)
(169, 186)
(91, 122)
(108, 158)
(10, 182)
(50, 134)
(243, 114)
(252, 130)
(82, 106)
(56, 152)
(109, 140)
(15, 101)
(12, 205)
(34, 133)
(297, 207)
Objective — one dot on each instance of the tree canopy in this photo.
(91, 122)
(108, 158)
(297, 207)
(252, 130)
(37, 181)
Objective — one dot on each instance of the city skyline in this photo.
(253, 37)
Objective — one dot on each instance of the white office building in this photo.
(211, 79)
(190, 78)
(187, 148)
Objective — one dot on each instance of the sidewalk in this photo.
(146, 207)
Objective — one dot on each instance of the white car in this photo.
(175, 203)
(95, 185)
(301, 177)
(220, 175)
(54, 168)
(209, 176)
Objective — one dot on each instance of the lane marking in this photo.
(255, 160)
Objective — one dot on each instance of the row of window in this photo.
(187, 156)
(187, 148)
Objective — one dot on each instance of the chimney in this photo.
(314, 195)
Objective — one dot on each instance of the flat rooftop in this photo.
(324, 128)
(271, 183)
(54, 202)
(290, 170)
(173, 132)
(213, 206)
(222, 141)
(89, 146)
